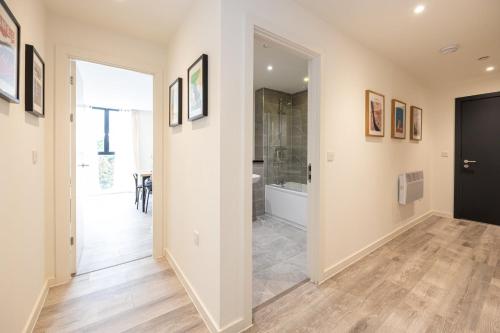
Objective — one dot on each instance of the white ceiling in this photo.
(289, 68)
(153, 20)
(390, 28)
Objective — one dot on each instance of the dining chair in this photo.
(138, 190)
(149, 189)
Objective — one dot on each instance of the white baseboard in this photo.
(37, 308)
(237, 326)
(443, 214)
(339, 267)
(202, 310)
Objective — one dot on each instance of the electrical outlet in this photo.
(34, 156)
(196, 238)
(444, 154)
(330, 156)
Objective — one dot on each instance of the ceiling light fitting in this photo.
(449, 49)
(419, 9)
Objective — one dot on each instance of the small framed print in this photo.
(398, 119)
(198, 88)
(10, 49)
(416, 123)
(175, 103)
(374, 113)
(35, 82)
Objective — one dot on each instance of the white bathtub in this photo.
(288, 202)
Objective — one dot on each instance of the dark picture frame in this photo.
(10, 41)
(398, 119)
(34, 82)
(416, 117)
(175, 102)
(197, 83)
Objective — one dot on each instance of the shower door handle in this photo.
(309, 172)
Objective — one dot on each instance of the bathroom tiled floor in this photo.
(279, 258)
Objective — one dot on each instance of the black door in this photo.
(477, 158)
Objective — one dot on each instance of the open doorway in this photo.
(113, 165)
(280, 168)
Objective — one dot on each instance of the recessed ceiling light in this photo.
(419, 9)
(270, 67)
(449, 49)
(490, 68)
(306, 79)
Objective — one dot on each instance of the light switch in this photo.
(34, 156)
(330, 156)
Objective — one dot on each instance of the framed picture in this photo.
(175, 103)
(398, 119)
(198, 88)
(35, 82)
(416, 123)
(10, 36)
(374, 113)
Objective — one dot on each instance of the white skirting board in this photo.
(37, 308)
(236, 326)
(339, 267)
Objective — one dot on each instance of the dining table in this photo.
(144, 175)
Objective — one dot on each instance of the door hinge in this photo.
(71, 80)
(71, 117)
(309, 172)
(71, 241)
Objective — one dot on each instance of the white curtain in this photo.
(123, 141)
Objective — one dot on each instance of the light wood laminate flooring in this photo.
(443, 275)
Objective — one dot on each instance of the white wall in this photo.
(358, 190)
(192, 162)
(113, 49)
(443, 129)
(22, 200)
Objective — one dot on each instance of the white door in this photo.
(81, 164)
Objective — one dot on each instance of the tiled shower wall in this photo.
(285, 156)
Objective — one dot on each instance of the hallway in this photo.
(441, 275)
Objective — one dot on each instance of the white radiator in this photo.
(411, 187)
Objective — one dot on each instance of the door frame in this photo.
(314, 239)
(458, 147)
(64, 255)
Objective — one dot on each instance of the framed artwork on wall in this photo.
(10, 36)
(198, 88)
(398, 119)
(34, 82)
(374, 113)
(175, 103)
(416, 123)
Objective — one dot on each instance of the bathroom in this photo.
(280, 170)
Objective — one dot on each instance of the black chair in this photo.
(148, 184)
(138, 190)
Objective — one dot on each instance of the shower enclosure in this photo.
(284, 136)
(281, 142)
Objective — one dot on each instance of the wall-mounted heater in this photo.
(411, 187)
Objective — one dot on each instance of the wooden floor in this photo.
(441, 276)
(141, 296)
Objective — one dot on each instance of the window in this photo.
(103, 146)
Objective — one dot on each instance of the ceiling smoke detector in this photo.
(449, 49)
